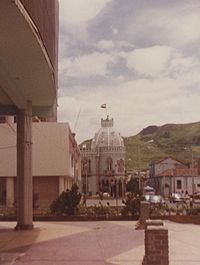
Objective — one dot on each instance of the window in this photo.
(2, 191)
(179, 184)
(109, 163)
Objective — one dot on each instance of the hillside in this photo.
(182, 141)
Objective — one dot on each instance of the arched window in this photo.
(109, 163)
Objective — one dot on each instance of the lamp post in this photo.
(85, 167)
(192, 170)
(192, 166)
(139, 161)
(86, 184)
(117, 194)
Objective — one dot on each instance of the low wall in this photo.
(74, 218)
(174, 218)
(185, 219)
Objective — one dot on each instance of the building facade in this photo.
(169, 176)
(103, 162)
(28, 78)
(56, 162)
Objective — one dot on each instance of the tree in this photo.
(132, 205)
(133, 186)
(67, 202)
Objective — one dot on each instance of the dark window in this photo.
(179, 184)
(2, 119)
(2, 191)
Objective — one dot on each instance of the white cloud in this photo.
(183, 27)
(75, 12)
(87, 65)
(110, 45)
(181, 66)
(106, 45)
(149, 61)
(164, 84)
(134, 105)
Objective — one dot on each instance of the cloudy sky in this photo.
(140, 57)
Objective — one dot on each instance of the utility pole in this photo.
(192, 170)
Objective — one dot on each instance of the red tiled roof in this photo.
(163, 159)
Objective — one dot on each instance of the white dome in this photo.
(107, 136)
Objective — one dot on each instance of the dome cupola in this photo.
(107, 136)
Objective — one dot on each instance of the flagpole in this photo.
(104, 106)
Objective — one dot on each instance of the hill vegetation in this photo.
(181, 141)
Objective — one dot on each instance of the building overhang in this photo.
(26, 72)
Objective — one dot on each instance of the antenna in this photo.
(76, 121)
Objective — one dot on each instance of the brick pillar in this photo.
(156, 246)
(144, 212)
(24, 169)
(144, 215)
(150, 223)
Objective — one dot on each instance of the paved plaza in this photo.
(92, 243)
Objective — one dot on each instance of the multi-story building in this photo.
(103, 162)
(28, 81)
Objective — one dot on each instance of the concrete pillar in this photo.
(24, 169)
(10, 191)
(61, 184)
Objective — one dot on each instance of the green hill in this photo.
(181, 141)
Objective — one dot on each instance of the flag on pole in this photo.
(103, 106)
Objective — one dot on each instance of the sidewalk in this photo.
(92, 243)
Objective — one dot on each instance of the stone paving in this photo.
(92, 243)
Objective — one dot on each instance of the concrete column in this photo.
(24, 169)
(61, 184)
(9, 191)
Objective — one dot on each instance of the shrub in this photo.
(193, 211)
(132, 205)
(67, 202)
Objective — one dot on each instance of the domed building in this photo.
(103, 162)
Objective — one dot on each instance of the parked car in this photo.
(106, 195)
(176, 197)
(196, 197)
(154, 199)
